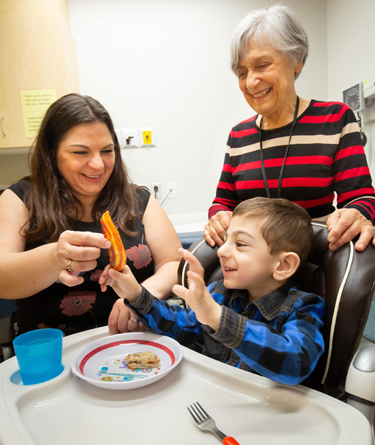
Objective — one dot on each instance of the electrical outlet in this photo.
(147, 137)
(172, 189)
(156, 190)
(129, 138)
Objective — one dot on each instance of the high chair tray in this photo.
(252, 409)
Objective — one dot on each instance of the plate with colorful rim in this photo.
(103, 362)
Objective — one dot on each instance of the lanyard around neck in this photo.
(286, 155)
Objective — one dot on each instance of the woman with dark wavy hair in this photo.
(53, 249)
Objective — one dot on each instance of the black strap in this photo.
(285, 156)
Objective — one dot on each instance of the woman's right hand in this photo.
(79, 250)
(214, 230)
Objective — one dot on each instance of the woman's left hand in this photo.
(122, 319)
(345, 224)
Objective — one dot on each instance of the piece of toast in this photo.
(142, 360)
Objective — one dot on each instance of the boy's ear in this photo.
(287, 266)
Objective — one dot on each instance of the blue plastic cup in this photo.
(39, 355)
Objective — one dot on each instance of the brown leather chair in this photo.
(344, 279)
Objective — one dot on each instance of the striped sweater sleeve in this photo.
(351, 174)
(227, 197)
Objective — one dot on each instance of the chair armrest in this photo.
(360, 380)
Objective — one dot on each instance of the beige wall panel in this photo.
(37, 51)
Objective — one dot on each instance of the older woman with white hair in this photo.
(304, 150)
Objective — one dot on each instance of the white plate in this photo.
(102, 362)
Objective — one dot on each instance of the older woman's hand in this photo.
(77, 252)
(214, 230)
(345, 224)
(122, 319)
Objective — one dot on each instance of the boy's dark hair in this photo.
(286, 227)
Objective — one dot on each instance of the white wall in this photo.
(351, 57)
(165, 64)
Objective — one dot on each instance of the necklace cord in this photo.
(263, 168)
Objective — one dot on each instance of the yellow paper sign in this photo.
(34, 106)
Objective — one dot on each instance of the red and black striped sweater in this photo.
(325, 158)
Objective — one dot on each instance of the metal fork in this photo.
(206, 422)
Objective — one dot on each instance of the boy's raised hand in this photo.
(123, 283)
(197, 296)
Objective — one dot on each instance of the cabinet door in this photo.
(37, 52)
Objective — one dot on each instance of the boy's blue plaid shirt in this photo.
(277, 336)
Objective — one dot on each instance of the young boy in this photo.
(256, 318)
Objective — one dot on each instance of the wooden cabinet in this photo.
(37, 52)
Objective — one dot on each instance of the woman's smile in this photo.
(92, 178)
(262, 93)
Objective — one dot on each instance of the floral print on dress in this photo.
(141, 255)
(77, 303)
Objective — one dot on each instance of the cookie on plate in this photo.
(142, 360)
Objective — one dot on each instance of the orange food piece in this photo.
(117, 254)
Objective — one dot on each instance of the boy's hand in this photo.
(197, 296)
(123, 283)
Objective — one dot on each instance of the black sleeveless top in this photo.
(82, 307)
